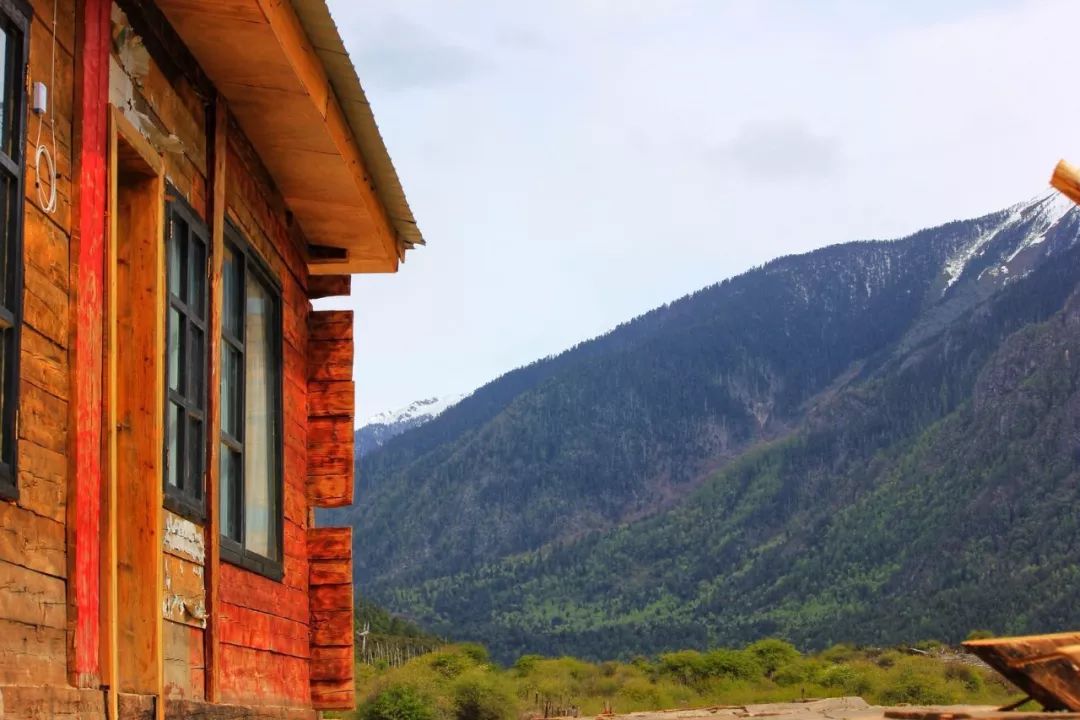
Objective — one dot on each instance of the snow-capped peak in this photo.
(1043, 211)
(417, 410)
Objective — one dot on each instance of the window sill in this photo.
(235, 555)
(185, 507)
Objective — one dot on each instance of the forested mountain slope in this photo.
(866, 442)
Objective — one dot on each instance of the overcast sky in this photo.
(575, 163)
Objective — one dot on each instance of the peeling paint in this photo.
(184, 538)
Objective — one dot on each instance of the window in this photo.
(13, 48)
(251, 442)
(186, 359)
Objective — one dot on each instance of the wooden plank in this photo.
(331, 491)
(1066, 178)
(88, 256)
(1035, 664)
(337, 429)
(330, 459)
(42, 418)
(110, 558)
(330, 543)
(31, 655)
(264, 631)
(35, 542)
(44, 363)
(43, 489)
(333, 695)
(31, 597)
(320, 286)
(255, 677)
(246, 589)
(337, 398)
(330, 325)
(139, 433)
(184, 596)
(332, 597)
(219, 168)
(184, 662)
(330, 359)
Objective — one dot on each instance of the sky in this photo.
(574, 163)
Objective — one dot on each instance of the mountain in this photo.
(391, 423)
(871, 442)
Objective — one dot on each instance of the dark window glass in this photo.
(251, 380)
(186, 359)
(13, 33)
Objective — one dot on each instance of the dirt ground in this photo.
(845, 708)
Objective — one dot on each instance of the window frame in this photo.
(178, 499)
(15, 15)
(231, 550)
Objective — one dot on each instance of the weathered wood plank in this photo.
(331, 398)
(184, 661)
(184, 598)
(320, 286)
(31, 655)
(330, 543)
(31, 541)
(31, 597)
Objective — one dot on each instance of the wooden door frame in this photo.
(130, 154)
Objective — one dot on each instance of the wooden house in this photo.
(180, 179)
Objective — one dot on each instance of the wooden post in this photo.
(1066, 178)
(87, 250)
(212, 638)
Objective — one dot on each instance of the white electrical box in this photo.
(41, 98)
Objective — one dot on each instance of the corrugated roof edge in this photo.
(321, 30)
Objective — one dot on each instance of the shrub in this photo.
(771, 653)
(686, 666)
(398, 702)
(527, 664)
(980, 635)
(733, 664)
(477, 652)
(966, 675)
(448, 664)
(909, 683)
(480, 697)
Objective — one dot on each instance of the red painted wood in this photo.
(88, 239)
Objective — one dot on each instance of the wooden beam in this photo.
(136, 428)
(320, 286)
(212, 637)
(110, 557)
(305, 62)
(1066, 179)
(330, 582)
(88, 254)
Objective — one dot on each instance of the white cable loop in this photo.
(47, 200)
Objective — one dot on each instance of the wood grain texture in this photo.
(88, 256)
(330, 577)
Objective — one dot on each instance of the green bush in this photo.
(477, 696)
(772, 653)
(448, 664)
(980, 635)
(398, 702)
(734, 664)
(966, 675)
(477, 652)
(686, 666)
(911, 683)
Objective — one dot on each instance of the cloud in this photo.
(778, 151)
(396, 53)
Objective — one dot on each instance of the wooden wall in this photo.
(262, 625)
(266, 631)
(33, 559)
(265, 647)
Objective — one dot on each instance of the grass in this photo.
(459, 682)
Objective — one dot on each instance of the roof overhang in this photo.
(289, 82)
